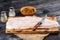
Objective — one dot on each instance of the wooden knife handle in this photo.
(36, 26)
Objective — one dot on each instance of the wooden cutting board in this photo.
(37, 31)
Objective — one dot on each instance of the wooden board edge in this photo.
(41, 31)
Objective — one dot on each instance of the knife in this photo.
(40, 22)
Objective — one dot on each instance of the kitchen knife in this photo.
(39, 23)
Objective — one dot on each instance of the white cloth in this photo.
(29, 22)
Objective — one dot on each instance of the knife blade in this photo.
(43, 19)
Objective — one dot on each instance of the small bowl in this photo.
(28, 10)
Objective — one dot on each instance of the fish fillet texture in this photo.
(29, 22)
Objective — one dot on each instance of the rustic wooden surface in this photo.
(38, 31)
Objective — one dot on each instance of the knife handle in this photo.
(36, 26)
